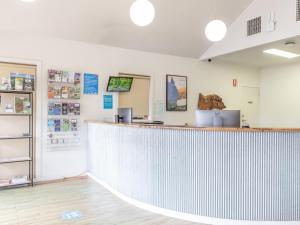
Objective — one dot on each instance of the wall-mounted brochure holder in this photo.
(63, 121)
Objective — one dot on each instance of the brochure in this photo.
(65, 92)
(51, 93)
(51, 126)
(54, 76)
(66, 125)
(76, 107)
(73, 124)
(65, 109)
(19, 82)
(5, 84)
(29, 82)
(54, 109)
(65, 77)
(71, 109)
(77, 78)
(9, 108)
(57, 92)
(71, 77)
(57, 127)
(22, 105)
(76, 94)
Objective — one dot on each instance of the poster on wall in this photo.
(107, 101)
(91, 83)
(176, 93)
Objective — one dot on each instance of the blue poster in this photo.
(91, 84)
(107, 101)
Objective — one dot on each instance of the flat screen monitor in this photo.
(119, 84)
(124, 115)
(218, 118)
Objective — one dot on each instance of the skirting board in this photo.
(184, 216)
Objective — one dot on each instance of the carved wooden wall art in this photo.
(210, 102)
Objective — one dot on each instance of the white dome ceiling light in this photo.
(28, 0)
(216, 30)
(142, 13)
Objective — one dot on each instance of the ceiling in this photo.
(178, 28)
(256, 58)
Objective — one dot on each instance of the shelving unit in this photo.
(30, 156)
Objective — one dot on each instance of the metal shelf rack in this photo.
(26, 159)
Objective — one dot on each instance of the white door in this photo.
(250, 106)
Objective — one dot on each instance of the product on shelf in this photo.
(22, 105)
(29, 82)
(19, 180)
(4, 182)
(5, 84)
(21, 82)
(9, 108)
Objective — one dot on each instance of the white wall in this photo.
(76, 56)
(280, 96)
(236, 39)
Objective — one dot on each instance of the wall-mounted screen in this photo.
(119, 84)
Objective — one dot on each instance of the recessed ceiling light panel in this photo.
(142, 13)
(281, 53)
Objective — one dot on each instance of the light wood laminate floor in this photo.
(46, 204)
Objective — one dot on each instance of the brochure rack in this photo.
(29, 158)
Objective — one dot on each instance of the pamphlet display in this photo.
(17, 100)
(17, 82)
(64, 90)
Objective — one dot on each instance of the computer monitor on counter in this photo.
(124, 115)
(218, 118)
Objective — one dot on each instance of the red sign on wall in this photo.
(234, 82)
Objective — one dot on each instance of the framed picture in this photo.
(176, 93)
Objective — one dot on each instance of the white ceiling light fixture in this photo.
(142, 13)
(28, 0)
(281, 53)
(215, 30)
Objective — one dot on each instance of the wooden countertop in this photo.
(178, 127)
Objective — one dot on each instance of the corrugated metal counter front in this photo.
(213, 173)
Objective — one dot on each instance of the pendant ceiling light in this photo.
(142, 12)
(215, 30)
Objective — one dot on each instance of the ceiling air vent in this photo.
(298, 10)
(254, 26)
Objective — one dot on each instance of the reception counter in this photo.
(225, 173)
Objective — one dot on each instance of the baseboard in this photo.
(185, 216)
(65, 179)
